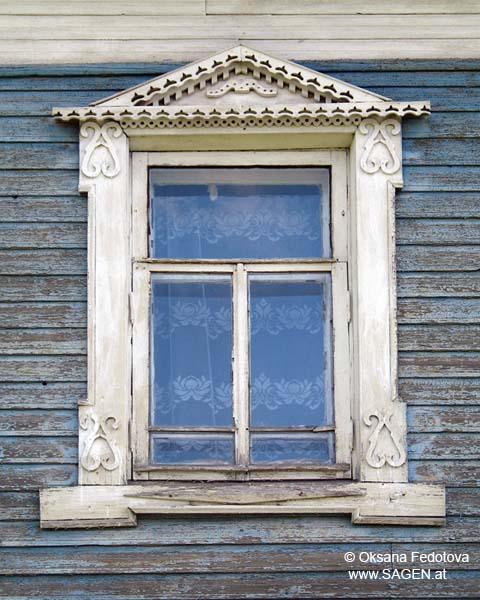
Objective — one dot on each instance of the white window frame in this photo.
(143, 267)
(175, 115)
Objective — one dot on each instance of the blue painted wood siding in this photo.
(43, 316)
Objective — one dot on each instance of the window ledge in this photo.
(368, 503)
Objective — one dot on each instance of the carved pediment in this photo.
(237, 76)
(241, 87)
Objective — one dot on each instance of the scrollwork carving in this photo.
(378, 454)
(100, 154)
(245, 87)
(99, 449)
(379, 148)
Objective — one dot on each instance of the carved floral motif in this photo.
(100, 154)
(379, 148)
(99, 448)
(378, 454)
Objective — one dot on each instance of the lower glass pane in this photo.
(290, 350)
(299, 448)
(191, 350)
(188, 448)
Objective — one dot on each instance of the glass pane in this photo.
(290, 350)
(240, 213)
(292, 447)
(191, 448)
(191, 350)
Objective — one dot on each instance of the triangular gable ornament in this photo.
(245, 88)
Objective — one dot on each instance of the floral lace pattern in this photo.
(273, 395)
(264, 392)
(193, 314)
(198, 389)
(211, 224)
(264, 316)
(300, 450)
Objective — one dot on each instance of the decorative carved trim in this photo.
(372, 159)
(242, 88)
(100, 154)
(99, 449)
(168, 88)
(184, 117)
(377, 457)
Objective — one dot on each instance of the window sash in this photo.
(143, 271)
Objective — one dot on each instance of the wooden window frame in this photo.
(143, 267)
(331, 121)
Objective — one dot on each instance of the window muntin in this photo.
(300, 429)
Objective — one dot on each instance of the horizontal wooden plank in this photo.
(443, 364)
(43, 314)
(438, 258)
(43, 368)
(438, 337)
(417, 78)
(437, 419)
(446, 152)
(444, 205)
(236, 530)
(34, 477)
(430, 311)
(74, 83)
(39, 423)
(438, 231)
(16, 52)
(154, 67)
(184, 559)
(24, 396)
(38, 182)
(36, 129)
(438, 284)
(43, 341)
(18, 506)
(312, 27)
(463, 501)
(431, 391)
(43, 262)
(448, 99)
(444, 447)
(333, 7)
(453, 178)
(40, 103)
(43, 235)
(39, 208)
(202, 586)
(439, 555)
(43, 287)
(38, 155)
(441, 125)
(34, 450)
(109, 7)
(456, 473)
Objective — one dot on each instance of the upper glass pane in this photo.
(239, 213)
(290, 350)
(191, 350)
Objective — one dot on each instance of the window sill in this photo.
(367, 503)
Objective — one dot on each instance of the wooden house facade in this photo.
(59, 55)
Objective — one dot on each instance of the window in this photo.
(241, 293)
(197, 291)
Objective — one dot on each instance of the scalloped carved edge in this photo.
(113, 506)
(208, 117)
